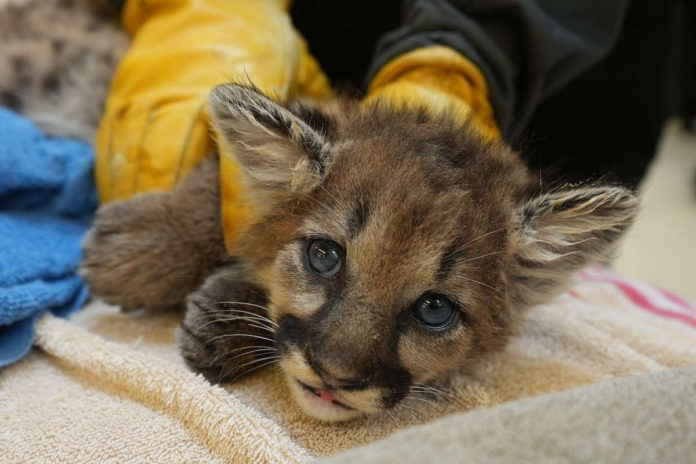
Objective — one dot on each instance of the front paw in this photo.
(133, 256)
(226, 332)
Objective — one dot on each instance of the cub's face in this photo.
(394, 247)
(389, 276)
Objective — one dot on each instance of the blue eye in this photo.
(434, 311)
(325, 257)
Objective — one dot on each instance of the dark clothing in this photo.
(342, 34)
(608, 121)
(526, 49)
(583, 86)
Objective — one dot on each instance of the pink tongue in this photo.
(326, 395)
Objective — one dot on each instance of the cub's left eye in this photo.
(436, 312)
(325, 257)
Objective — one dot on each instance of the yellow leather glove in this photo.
(156, 124)
(438, 78)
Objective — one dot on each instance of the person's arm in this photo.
(156, 125)
(437, 78)
(524, 49)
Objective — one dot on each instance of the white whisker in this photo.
(245, 303)
(340, 203)
(261, 326)
(267, 319)
(249, 320)
(463, 247)
(480, 283)
(435, 390)
(412, 397)
(252, 370)
(236, 368)
(247, 353)
(413, 410)
(481, 256)
(241, 335)
(246, 347)
(270, 348)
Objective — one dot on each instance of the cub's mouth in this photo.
(321, 402)
(324, 395)
(325, 402)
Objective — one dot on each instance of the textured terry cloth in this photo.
(119, 391)
(648, 419)
(46, 198)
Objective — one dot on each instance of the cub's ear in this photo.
(562, 231)
(279, 151)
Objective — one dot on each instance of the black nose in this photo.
(333, 381)
(343, 384)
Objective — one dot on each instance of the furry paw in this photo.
(226, 333)
(132, 256)
(152, 250)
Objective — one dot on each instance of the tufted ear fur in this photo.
(279, 151)
(560, 232)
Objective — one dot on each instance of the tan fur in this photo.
(420, 204)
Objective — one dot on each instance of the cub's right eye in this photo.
(325, 257)
(435, 312)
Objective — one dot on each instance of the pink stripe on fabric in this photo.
(679, 301)
(633, 292)
(638, 298)
(646, 290)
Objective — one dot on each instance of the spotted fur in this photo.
(420, 204)
(56, 61)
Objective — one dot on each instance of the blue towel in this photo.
(47, 198)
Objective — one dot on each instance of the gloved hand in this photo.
(156, 123)
(437, 78)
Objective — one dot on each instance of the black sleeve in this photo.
(526, 49)
(116, 4)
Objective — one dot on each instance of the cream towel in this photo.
(647, 419)
(110, 387)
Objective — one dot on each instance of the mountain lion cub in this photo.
(388, 249)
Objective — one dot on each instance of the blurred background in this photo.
(661, 248)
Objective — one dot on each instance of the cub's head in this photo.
(394, 246)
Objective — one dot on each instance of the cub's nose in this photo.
(343, 384)
(333, 381)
